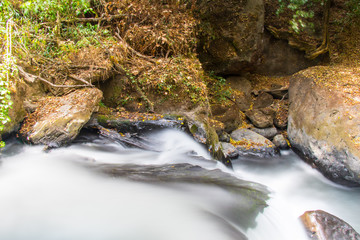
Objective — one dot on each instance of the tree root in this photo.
(33, 78)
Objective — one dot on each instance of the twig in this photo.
(81, 80)
(32, 78)
(87, 67)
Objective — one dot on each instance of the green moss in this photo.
(103, 119)
(194, 129)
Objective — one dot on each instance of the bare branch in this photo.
(87, 67)
(32, 78)
(81, 80)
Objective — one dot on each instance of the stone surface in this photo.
(321, 225)
(260, 118)
(58, 120)
(249, 143)
(281, 114)
(21, 93)
(230, 34)
(280, 142)
(269, 133)
(263, 100)
(229, 150)
(324, 125)
(231, 117)
(240, 83)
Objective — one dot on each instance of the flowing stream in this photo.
(55, 195)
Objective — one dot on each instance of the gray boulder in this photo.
(58, 120)
(321, 225)
(249, 143)
(269, 133)
(323, 124)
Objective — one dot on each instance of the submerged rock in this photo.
(324, 122)
(251, 196)
(321, 225)
(229, 150)
(249, 143)
(140, 127)
(58, 120)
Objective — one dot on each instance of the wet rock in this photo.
(224, 137)
(280, 142)
(129, 140)
(324, 122)
(230, 34)
(230, 152)
(198, 130)
(251, 196)
(58, 120)
(263, 100)
(249, 143)
(269, 133)
(321, 225)
(141, 127)
(260, 118)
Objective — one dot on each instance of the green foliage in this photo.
(354, 8)
(300, 13)
(50, 10)
(7, 70)
(219, 90)
(7, 11)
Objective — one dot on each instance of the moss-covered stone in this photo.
(324, 121)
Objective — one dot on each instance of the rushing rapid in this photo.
(55, 195)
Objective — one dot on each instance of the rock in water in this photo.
(251, 196)
(324, 122)
(269, 133)
(280, 141)
(321, 225)
(58, 120)
(249, 143)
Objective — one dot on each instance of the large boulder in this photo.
(22, 95)
(321, 225)
(230, 34)
(324, 120)
(58, 120)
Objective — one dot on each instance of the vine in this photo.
(7, 70)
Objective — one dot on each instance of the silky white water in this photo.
(53, 196)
